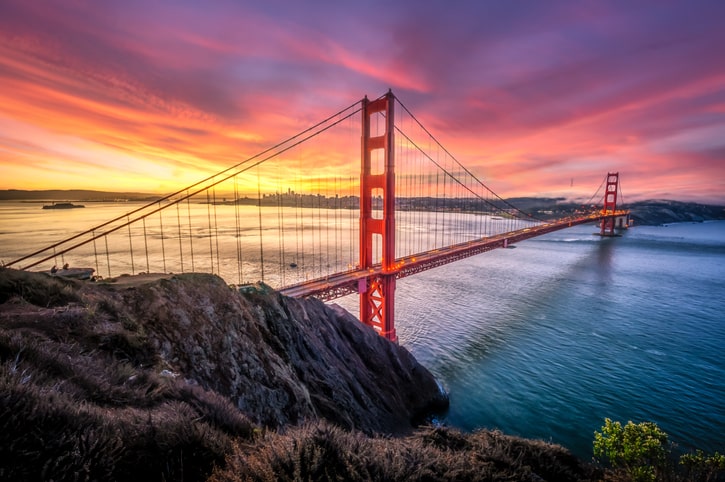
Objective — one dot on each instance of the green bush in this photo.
(640, 449)
(700, 466)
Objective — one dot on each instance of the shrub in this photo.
(700, 466)
(640, 449)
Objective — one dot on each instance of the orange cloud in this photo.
(106, 96)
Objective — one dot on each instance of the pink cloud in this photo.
(529, 97)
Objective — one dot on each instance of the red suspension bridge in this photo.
(329, 212)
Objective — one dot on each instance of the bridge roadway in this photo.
(347, 283)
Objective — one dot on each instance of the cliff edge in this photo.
(184, 378)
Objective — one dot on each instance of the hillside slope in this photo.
(167, 379)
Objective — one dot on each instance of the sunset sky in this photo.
(535, 97)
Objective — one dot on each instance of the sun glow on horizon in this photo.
(102, 97)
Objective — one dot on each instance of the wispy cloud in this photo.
(537, 98)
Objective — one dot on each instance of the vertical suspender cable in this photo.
(280, 223)
(311, 227)
(108, 257)
(145, 244)
(95, 251)
(178, 225)
(208, 223)
(238, 234)
(216, 234)
(130, 245)
(302, 229)
(161, 229)
(300, 257)
(327, 224)
(191, 233)
(435, 233)
(336, 232)
(259, 212)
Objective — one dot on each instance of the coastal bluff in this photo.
(181, 377)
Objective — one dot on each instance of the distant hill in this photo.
(656, 212)
(650, 212)
(72, 195)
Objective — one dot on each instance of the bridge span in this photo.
(352, 282)
(303, 218)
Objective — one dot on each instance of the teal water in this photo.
(548, 339)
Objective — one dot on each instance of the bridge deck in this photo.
(346, 283)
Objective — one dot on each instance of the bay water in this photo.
(546, 339)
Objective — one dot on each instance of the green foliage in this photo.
(700, 466)
(640, 449)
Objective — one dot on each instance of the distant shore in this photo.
(648, 213)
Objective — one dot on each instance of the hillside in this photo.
(71, 195)
(183, 378)
(651, 213)
(658, 212)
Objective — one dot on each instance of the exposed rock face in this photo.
(170, 379)
(278, 359)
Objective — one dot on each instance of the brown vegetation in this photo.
(320, 451)
(176, 378)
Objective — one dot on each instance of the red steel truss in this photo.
(377, 290)
(610, 204)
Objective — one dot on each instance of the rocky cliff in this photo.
(278, 359)
(183, 378)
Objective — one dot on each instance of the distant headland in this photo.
(649, 212)
(84, 195)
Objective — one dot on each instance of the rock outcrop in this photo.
(184, 378)
(279, 360)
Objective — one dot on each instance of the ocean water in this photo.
(547, 339)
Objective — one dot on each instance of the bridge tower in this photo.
(377, 178)
(610, 204)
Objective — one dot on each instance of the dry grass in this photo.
(320, 451)
(83, 397)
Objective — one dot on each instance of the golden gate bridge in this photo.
(347, 206)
